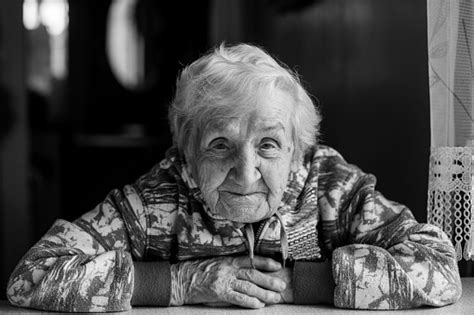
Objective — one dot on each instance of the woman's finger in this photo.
(250, 289)
(243, 300)
(263, 280)
(259, 262)
(266, 264)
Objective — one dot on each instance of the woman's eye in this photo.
(219, 145)
(269, 145)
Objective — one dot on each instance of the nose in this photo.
(245, 172)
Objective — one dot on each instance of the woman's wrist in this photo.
(178, 287)
(183, 278)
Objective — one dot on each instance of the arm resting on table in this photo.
(87, 265)
(393, 262)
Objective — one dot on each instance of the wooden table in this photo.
(464, 306)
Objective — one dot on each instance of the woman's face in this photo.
(242, 163)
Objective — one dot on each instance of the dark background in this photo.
(365, 61)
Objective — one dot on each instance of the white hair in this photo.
(225, 83)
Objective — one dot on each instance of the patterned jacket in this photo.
(381, 257)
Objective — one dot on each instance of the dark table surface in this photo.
(464, 306)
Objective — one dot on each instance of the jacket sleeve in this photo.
(87, 265)
(387, 260)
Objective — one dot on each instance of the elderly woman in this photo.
(246, 209)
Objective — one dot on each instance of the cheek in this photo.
(210, 174)
(275, 175)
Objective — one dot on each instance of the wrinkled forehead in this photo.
(249, 124)
(266, 112)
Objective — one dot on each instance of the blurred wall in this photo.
(365, 62)
(15, 228)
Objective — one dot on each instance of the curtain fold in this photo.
(450, 48)
(450, 189)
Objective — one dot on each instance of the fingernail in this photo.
(276, 298)
(282, 285)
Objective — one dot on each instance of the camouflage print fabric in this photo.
(382, 258)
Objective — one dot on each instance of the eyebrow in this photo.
(274, 127)
(213, 129)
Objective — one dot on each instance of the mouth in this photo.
(242, 207)
(238, 194)
(239, 200)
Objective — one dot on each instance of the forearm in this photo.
(394, 262)
(414, 259)
(370, 277)
(81, 266)
(67, 280)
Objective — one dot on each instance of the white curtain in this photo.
(450, 49)
(450, 190)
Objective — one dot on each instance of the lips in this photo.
(242, 207)
(237, 199)
(240, 194)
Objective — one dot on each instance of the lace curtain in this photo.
(450, 190)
